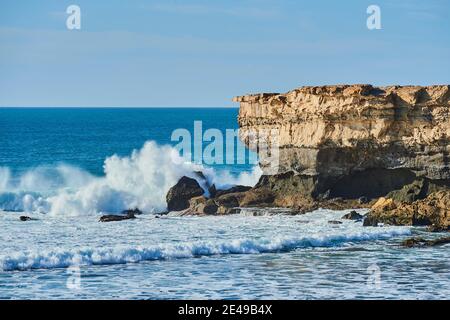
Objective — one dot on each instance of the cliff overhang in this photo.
(354, 140)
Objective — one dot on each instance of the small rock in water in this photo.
(26, 218)
(353, 215)
(421, 242)
(113, 217)
(134, 211)
(438, 228)
(334, 222)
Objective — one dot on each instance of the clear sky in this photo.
(204, 52)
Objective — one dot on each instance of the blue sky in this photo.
(202, 53)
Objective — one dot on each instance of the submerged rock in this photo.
(130, 214)
(179, 195)
(26, 218)
(134, 211)
(421, 242)
(112, 217)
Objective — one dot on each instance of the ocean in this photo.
(65, 167)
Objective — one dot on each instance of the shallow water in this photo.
(241, 257)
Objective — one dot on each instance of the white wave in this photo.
(121, 255)
(5, 175)
(141, 180)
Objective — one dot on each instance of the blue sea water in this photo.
(58, 166)
(84, 137)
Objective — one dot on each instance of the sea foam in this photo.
(124, 254)
(139, 180)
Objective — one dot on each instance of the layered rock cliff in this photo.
(351, 141)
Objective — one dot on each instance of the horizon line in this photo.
(119, 107)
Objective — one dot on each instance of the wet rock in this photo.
(234, 189)
(179, 195)
(438, 228)
(201, 206)
(210, 208)
(431, 211)
(421, 242)
(257, 197)
(334, 222)
(352, 215)
(230, 200)
(26, 218)
(112, 217)
(134, 211)
(221, 210)
(212, 191)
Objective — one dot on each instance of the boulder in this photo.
(202, 206)
(352, 215)
(179, 195)
(433, 211)
(230, 200)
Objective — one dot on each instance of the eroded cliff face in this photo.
(355, 140)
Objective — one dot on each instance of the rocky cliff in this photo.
(351, 141)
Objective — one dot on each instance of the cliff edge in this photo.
(352, 141)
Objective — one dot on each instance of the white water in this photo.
(140, 180)
(56, 243)
(240, 257)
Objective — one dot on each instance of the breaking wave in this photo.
(140, 180)
(122, 255)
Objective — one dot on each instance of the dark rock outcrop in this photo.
(179, 195)
(126, 215)
(342, 147)
(26, 218)
(234, 189)
(135, 212)
(421, 242)
(352, 215)
(188, 198)
(112, 218)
